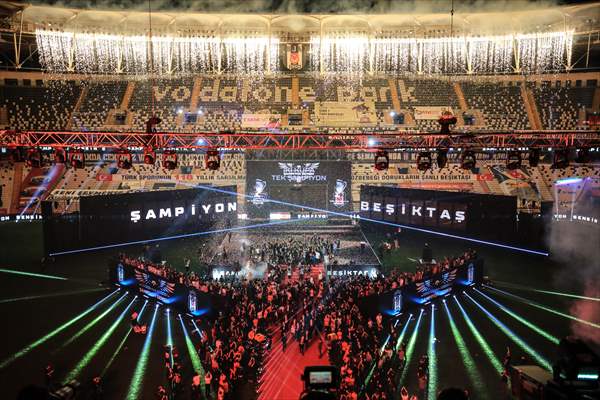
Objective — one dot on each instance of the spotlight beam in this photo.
(187, 235)
(169, 337)
(196, 363)
(121, 344)
(348, 215)
(138, 376)
(47, 296)
(431, 354)
(410, 348)
(34, 275)
(90, 324)
(50, 335)
(480, 339)
(512, 336)
(541, 307)
(402, 334)
(467, 359)
(85, 360)
(522, 320)
(519, 287)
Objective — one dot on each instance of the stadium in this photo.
(294, 199)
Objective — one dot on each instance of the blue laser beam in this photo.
(187, 235)
(513, 336)
(348, 215)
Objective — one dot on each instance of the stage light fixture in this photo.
(468, 159)
(59, 156)
(124, 160)
(560, 159)
(212, 160)
(424, 161)
(169, 160)
(534, 157)
(76, 159)
(583, 155)
(382, 160)
(149, 155)
(513, 160)
(442, 158)
(34, 158)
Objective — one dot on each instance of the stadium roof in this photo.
(580, 17)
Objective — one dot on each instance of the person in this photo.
(49, 375)
(161, 393)
(321, 346)
(453, 394)
(207, 383)
(97, 388)
(283, 340)
(427, 256)
(302, 341)
(196, 394)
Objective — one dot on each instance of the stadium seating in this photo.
(46, 106)
(559, 106)
(501, 105)
(99, 100)
(218, 103)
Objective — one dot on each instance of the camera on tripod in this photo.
(320, 382)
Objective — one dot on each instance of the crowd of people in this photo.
(254, 312)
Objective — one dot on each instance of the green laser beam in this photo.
(467, 359)
(34, 275)
(85, 360)
(512, 336)
(90, 324)
(431, 354)
(374, 364)
(121, 344)
(47, 296)
(399, 341)
(140, 370)
(522, 320)
(541, 307)
(519, 287)
(196, 363)
(169, 337)
(410, 348)
(50, 335)
(480, 339)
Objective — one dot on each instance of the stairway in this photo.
(530, 107)
(82, 96)
(394, 94)
(295, 92)
(127, 96)
(196, 93)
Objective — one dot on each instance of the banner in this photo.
(345, 114)
(432, 112)
(261, 120)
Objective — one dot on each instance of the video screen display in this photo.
(323, 185)
(130, 217)
(485, 216)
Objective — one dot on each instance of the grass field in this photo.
(34, 307)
